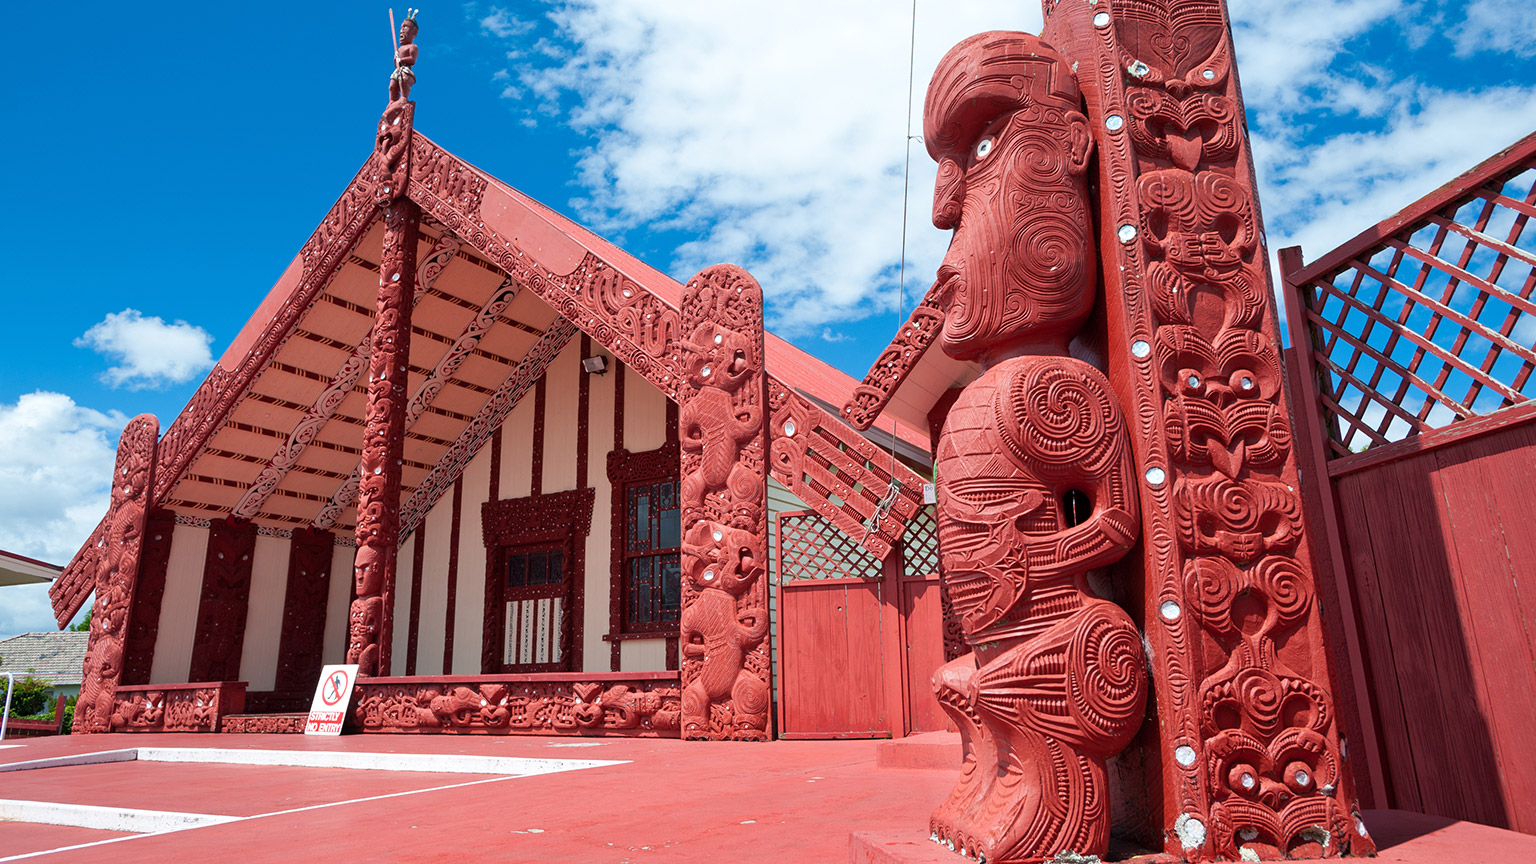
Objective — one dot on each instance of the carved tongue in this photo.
(1228, 462)
(1184, 148)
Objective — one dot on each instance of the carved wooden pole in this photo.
(117, 573)
(1249, 754)
(724, 435)
(378, 495)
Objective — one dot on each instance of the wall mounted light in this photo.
(596, 365)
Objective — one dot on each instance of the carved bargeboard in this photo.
(117, 573)
(722, 425)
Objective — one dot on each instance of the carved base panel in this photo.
(631, 705)
(196, 707)
(266, 724)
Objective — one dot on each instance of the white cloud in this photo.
(778, 144)
(151, 352)
(504, 24)
(1494, 25)
(55, 466)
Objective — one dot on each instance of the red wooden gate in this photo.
(858, 639)
(834, 627)
(1417, 345)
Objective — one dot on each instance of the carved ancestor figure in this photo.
(721, 420)
(1036, 483)
(403, 77)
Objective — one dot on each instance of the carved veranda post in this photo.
(1035, 481)
(1250, 755)
(378, 495)
(117, 573)
(722, 424)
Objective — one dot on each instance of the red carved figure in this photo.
(1250, 760)
(724, 479)
(117, 573)
(723, 565)
(403, 77)
(1036, 484)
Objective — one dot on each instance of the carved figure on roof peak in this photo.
(406, 51)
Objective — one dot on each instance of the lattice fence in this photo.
(810, 547)
(1426, 319)
(922, 544)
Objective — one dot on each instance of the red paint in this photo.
(557, 519)
(144, 628)
(495, 493)
(304, 606)
(536, 473)
(117, 573)
(226, 592)
(636, 704)
(195, 707)
(378, 521)
(723, 478)
(1225, 543)
(414, 634)
(453, 574)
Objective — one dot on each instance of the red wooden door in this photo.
(834, 630)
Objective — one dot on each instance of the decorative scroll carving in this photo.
(265, 724)
(641, 329)
(144, 627)
(451, 464)
(896, 362)
(117, 573)
(1250, 756)
(724, 482)
(557, 517)
(325, 405)
(1036, 484)
(69, 591)
(378, 519)
(638, 706)
(194, 707)
(225, 600)
(304, 607)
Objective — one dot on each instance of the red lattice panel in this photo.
(922, 544)
(810, 547)
(1427, 319)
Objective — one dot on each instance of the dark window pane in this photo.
(671, 586)
(556, 567)
(671, 527)
(517, 570)
(538, 568)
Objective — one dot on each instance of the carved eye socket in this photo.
(1243, 778)
(1245, 383)
(983, 147)
(1191, 382)
(1298, 776)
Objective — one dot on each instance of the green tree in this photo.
(84, 624)
(30, 696)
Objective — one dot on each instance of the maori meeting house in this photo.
(1161, 568)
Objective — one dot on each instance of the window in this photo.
(653, 594)
(535, 598)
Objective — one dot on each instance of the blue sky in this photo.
(167, 162)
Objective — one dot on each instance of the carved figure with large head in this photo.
(1001, 118)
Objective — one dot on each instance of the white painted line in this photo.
(95, 758)
(105, 818)
(258, 816)
(432, 763)
(9, 746)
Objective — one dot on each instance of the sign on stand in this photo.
(332, 696)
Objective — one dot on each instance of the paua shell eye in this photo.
(983, 147)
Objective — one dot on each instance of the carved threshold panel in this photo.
(635, 704)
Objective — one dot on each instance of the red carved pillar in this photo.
(378, 495)
(724, 479)
(117, 573)
(369, 620)
(1249, 756)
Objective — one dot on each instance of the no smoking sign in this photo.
(328, 710)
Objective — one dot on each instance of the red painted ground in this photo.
(784, 802)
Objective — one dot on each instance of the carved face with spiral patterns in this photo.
(1002, 121)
